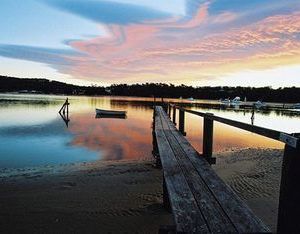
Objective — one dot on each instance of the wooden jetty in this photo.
(198, 199)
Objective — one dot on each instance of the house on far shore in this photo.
(29, 92)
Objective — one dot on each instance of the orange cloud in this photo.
(173, 50)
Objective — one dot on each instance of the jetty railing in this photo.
(289, 198)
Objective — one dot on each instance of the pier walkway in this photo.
(199, 200)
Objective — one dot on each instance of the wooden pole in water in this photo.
(289, 198)
(60, 110)
(67, 104)
(208, 130)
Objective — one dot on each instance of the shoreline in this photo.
(124, 196)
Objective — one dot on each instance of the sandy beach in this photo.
(123, 197)
(254, 174)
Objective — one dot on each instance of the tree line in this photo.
(267, 94)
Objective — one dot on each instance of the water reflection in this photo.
(32, 132)
(65, 118)
(116, 138)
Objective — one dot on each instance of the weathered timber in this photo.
(174, 115)
(208, 130)
(289, 206)
(289, 190)
(216, 204)
(187, 216)
(240, 214)
(181, 122)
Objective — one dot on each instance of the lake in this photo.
(32, 133)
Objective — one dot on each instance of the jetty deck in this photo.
(197, 197)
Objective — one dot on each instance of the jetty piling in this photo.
(181, 122)
(174, 115)
(208, 132)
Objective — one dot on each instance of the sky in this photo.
(191, 42)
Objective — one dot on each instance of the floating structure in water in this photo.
(103, 112)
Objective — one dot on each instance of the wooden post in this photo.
(63, 108)
(208, 130)
(155, 152)
(174, 114)
(164, 105)
(67, 104)
(169, 109)
(289, 198)
(181, 122)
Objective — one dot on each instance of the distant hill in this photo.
(25, 85)
(288, 95)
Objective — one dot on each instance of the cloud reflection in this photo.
(116, 139)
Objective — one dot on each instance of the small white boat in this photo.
(225, 101)
(259, 104)
(110, 112)
(190, 99)
(236, 101)
(296, 106)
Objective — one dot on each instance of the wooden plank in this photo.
(241, 216)
(187, 216)
(213, 213)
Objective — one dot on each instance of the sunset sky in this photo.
(204, 42)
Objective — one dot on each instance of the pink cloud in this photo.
(225, 17)
(155, 50)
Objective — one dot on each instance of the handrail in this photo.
(270, 133)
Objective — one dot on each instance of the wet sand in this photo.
(254, 174)
(123, 197)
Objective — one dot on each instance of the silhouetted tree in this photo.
(11, 84)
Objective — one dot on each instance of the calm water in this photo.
(32, 133)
